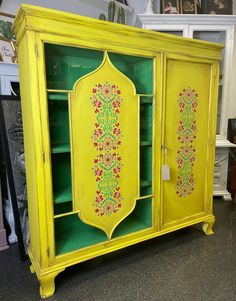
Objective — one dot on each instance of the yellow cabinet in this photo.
(119, 129)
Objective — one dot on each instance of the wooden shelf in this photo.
(61, 148)
(58, 97)
(72, 234)
(62, 195)
(65, 214)
(145, 100)
(145, 143)
(145, 183)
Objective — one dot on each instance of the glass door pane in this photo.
(217, 37)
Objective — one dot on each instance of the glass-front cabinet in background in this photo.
(219, 29)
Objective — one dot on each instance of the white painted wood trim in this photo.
(223, 193)
(224, 143)
(8, 74)
(8, 68)
(187, 19)
(168, 27)
(229, 33)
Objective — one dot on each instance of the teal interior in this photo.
(145, 146)
(60, 208)
(61, 174)
(64, 66)
(59, 125)
(72, 234)
(138, 69)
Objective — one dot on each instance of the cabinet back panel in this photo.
(61, 172)
(65, 65)
(138, 69)
(146, 123)
(58, 122)
(62, 208)
(139, 219)
(72, 234)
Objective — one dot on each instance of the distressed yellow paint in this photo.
(182, 75)
(82, 123)
(177, 62)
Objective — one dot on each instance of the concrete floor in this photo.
(185, 265)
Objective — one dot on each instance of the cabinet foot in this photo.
(47, 284)
(227, 197)
(208, 225)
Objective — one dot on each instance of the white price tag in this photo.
(165, 172)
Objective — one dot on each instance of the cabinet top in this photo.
(48, 21)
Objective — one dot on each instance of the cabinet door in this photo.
(188, 137)
(104, 133)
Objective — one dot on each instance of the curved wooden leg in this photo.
(208, 225)
(47, 284)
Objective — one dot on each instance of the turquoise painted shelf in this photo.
(57, 96)
(146, 100)
(145, 183)
(62, 195)
(61, 148)
(145, 143)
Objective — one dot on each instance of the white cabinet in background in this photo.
(8, 77)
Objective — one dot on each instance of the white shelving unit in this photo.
(8, 75)
(213, 28)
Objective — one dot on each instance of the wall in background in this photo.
(72, 6)
(90, 8)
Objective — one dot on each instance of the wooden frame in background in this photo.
(170, 7)
(7, 53)
(188, 7)
(217, 7)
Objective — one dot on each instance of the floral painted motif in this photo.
(186, 154)
(107, 139)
